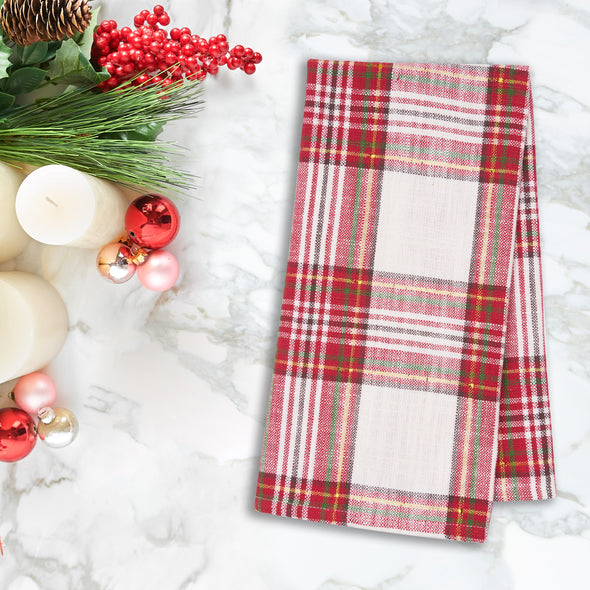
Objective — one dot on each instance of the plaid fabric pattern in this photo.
(410, 385)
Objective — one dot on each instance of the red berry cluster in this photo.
(151, 54)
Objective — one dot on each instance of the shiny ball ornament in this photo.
(152, 221)
(57, 427)
(159, 272)
(17, 434)
(114, 262)
(34, 391)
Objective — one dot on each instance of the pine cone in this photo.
(28, 21)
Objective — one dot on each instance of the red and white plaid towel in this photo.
(410, 386)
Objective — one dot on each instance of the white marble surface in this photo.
(171, 390)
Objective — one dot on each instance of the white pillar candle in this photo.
(33, 323)
(61, 206)
(13, 238)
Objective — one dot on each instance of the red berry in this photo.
(236, 62)
(111, 83)
(119, 72)
(222, 60)
(144, 13)
(159, 10)
(215, 50)
(124, 57)
(185, 31)
(188, 49)
(248, 54)
(221, 38)
(105, 26)
(195, 39)
(171, 58)
(175, 34)
(192, 63)
(224, 47)
(160, 36)
(102, 61)
(213, 68)
(184, 39)
(113, 24)
(129, 68)
(152, 20)
(142, 79)
(138, 20)
(230, 65)
(155, 46)
(164, 20)
(157, 80)
(115, 57)
(249, 68)
(125, 32)
(238, 50)
(203, 46)
(257, 58)
(167, 82)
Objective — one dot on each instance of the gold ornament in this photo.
(57, 427)
(29, 21)
(115, 263)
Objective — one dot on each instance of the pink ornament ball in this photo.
(159, 272)
(34, 391)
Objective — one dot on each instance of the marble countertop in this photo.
(171, 390)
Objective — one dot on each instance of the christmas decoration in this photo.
(151, 55)
(57, 427)
(17, 434)
(29, 21)
(34, 391)
(159, 272)
(151, 222)
(115, 262)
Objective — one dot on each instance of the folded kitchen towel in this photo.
(410, 385)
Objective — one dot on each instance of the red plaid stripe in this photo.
(391, 369)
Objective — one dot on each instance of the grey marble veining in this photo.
(171, 389)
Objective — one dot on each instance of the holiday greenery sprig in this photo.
(140, 72)
(105, 134)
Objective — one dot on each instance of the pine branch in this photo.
(94, 133)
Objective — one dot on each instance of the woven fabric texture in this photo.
(410, 385)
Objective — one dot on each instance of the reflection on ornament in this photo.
(34, 391)
(114, 262)
(152, 221)
(57, 427)
(17, 434)
(159, 272)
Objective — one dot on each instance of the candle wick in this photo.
(49, 200)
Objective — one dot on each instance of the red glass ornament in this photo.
(17, 434)
(152, 221)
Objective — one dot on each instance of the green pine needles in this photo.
(111, 134)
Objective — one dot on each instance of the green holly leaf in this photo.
(23, 80)
(71, 66)
(86, 39)
(6, 101)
